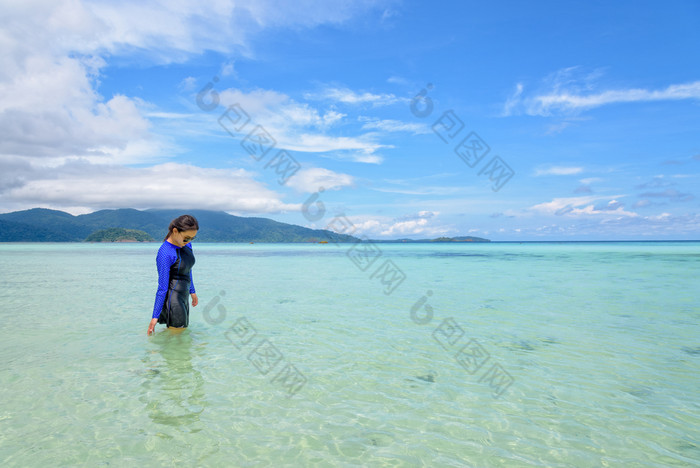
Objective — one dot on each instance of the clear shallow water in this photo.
(535, 355)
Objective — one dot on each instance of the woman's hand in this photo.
(152, 326)
(195, 301)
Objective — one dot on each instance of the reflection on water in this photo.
(173, 389)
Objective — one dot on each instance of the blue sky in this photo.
(575, 120)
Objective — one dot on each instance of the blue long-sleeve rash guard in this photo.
(167, 255)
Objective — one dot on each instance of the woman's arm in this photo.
(193, 292)
(164, 261)
(152, 326)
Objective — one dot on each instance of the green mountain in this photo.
(43, 225)
(119, 235)
(11, 231)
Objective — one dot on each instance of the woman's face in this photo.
(182, 238)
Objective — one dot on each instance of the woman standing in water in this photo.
(175, 260)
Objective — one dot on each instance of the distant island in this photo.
(119, 235)
(439, 239)
(130, 225)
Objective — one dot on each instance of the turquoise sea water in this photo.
(485, 355)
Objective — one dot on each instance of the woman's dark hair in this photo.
(182, 223)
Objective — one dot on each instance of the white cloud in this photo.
(168, 115)
(48, 108)
(661, 226)
(582, 207)
(657, 181)
(419, 224)
(403, 228)
(314, 179)
(228, 69)
(559, 204)
(188, 84)
(184, 27)
(670, 195)
(513, 102)
(398, 80)
(299, 127)
(545, 104)
(83, 186)
(388, 125)
(363, 148)
(348, 96)
(53, 52)
(423, 224)
(422, 190)
(569, 90)
(309, 13)
(559, 170)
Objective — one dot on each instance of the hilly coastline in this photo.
(44, 225)
(121, 225)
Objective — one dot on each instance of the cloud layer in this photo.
(80, 186)
(52, 116)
